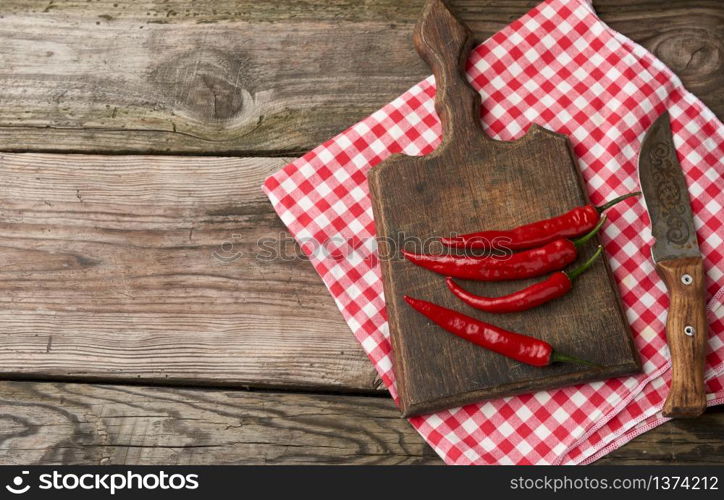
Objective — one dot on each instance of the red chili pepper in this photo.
(556, 285)
(523, 348)
(526, 264)
(569, 225)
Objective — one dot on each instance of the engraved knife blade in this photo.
(666, 194)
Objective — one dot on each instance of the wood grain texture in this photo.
(270, 78)
(162, 269)
(66, 85)
(471, 182)
(687, 310)
(58, 423)
(52, 423)
(677, 442)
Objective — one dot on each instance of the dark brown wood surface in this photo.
(80, 76)
(471, 182)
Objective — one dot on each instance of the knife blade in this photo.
(678, 261)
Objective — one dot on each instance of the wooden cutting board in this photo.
(470, 183)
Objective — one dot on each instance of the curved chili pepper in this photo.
(569, 225)
(526, 264)
(556, 285)
(523, 348)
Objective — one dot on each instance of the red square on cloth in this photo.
(561, 67)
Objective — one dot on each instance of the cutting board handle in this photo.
(444, 43)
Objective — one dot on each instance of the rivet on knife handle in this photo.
(686, 333)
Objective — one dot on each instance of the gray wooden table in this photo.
(140, 322)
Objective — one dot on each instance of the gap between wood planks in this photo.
(379, 393)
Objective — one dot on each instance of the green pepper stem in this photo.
(575, 273)
(611, 203)
(557, 357)
(583, 239)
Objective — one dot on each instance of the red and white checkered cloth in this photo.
(561, 67)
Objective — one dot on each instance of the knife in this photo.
(679, 263)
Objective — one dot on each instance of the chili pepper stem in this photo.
(557, 357)
(574, 273)
(613, 202)
(583, 239)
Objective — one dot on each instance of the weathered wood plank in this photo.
(240, 77)
(85, 424)
(44, 423)
(683, 441)
(161, 268)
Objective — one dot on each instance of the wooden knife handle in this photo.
(687, 333)
(444, 43)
